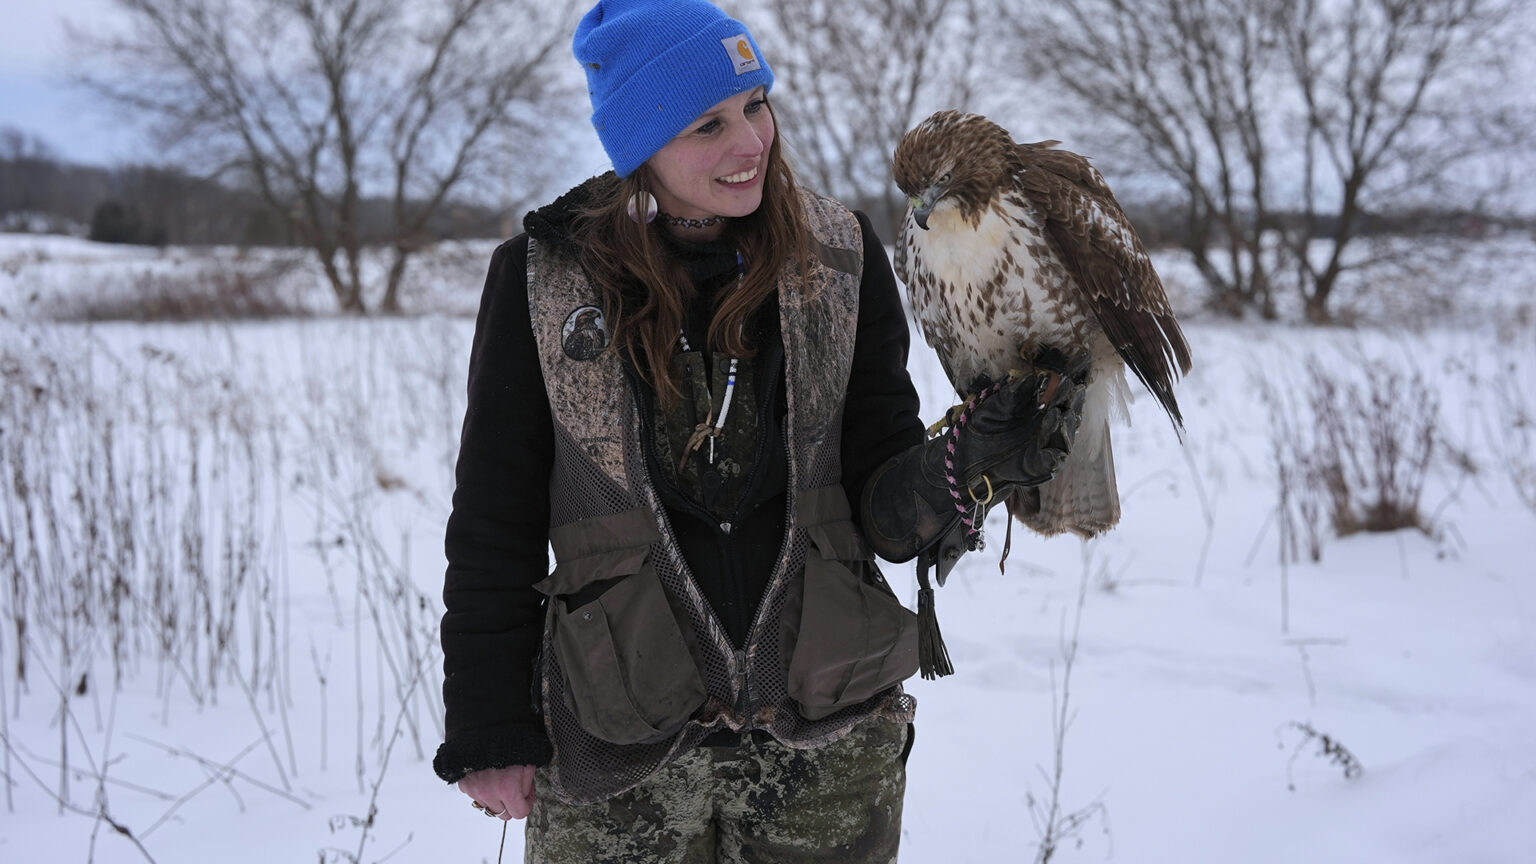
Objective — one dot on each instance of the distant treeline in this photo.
(1167, 225)
(158, 206)
(1162, 224)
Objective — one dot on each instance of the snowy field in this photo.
(221, 549)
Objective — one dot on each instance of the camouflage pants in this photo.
(755, 803)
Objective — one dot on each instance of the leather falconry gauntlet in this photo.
(1018, 436)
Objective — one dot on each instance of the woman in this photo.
(687, 376)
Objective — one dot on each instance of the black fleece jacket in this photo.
(498, 532)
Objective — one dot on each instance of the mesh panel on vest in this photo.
(587, 768)
(823, 468)
(586, 491)
(701, 627)
(578, 490)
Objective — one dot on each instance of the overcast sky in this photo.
(34, 94)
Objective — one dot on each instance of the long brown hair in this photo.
(621, 255)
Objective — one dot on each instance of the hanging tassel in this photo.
(696, 440)
(932, 656)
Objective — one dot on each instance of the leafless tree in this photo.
(317, 103)
(1394, 95)
(16, 143)
(30, 175)
(1258, 109)
(858, 74)
(1178, 81)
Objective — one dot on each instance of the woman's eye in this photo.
(708, 128)
(756, 105)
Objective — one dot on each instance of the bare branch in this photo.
(1260, 108)
(858, 74)
(322, 102)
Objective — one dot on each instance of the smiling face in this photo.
(715, 166)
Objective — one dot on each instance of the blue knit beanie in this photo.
(653, 66)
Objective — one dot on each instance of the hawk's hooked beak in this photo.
(922, 204)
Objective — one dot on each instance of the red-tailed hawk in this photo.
(1009, 247)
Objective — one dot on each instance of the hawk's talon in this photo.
(949, 418)
(1048, 392)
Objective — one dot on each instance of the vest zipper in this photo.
(744, 698)
(742, 681)
(774, 368)
(732, 583)
(777, 573)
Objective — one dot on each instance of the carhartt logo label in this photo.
(743, 58)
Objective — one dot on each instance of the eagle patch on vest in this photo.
(584, 335)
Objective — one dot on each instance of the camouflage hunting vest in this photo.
(635, 669)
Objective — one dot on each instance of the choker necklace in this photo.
(706, 222)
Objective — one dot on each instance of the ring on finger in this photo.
(484, 809)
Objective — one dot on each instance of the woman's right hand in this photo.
(504, 792)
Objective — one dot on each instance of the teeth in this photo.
(740, 178)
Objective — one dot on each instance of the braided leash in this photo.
(932, 656)
(969, 516)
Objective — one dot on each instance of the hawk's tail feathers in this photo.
(1082, 498)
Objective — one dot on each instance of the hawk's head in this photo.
(953, 158)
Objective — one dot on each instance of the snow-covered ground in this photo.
(324, 448)
(48, 276)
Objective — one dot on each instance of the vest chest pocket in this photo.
(851, 638)
(629, 675)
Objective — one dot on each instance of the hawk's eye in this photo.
(944, 181)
